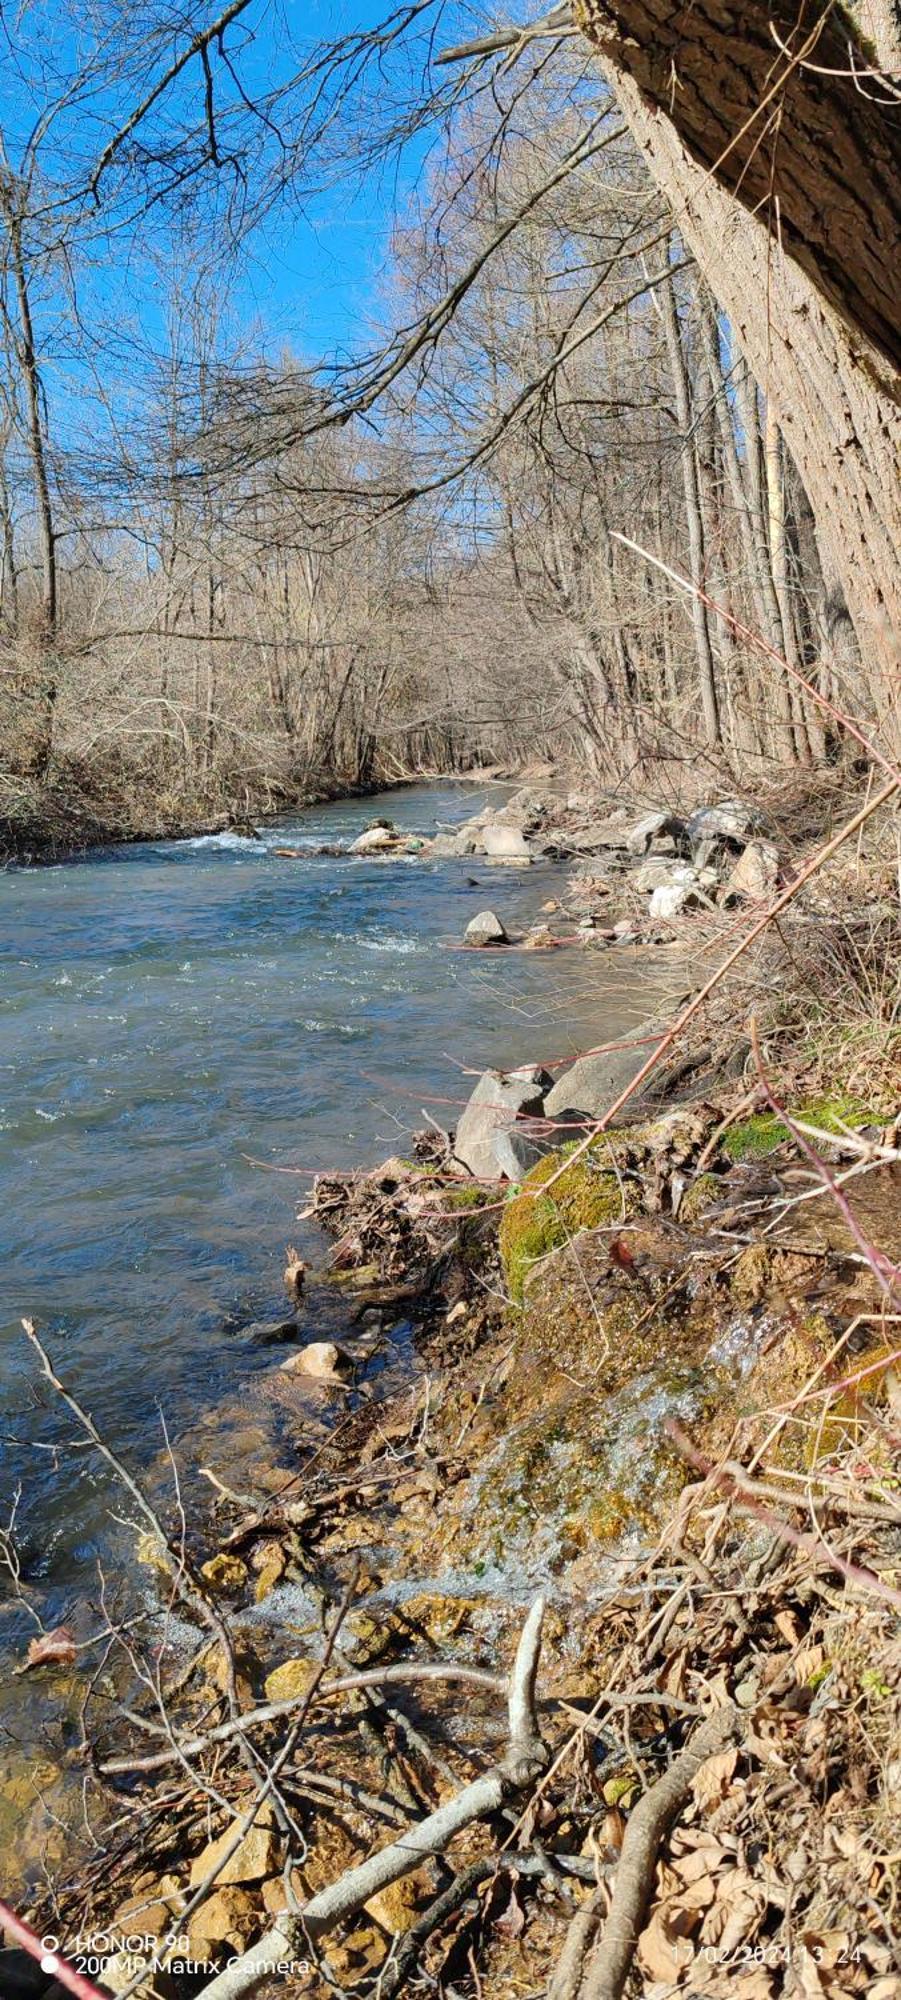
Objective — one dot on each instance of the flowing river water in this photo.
(178, 1018)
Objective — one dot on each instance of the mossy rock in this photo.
(586, 1196)
(753, 1138)
(466, 1197)
(700, 1196)
(845, 1420)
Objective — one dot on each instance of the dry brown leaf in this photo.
(809, 1661)
(662, 1954)
(827, 1946)
(788, 1627)
(808, 1976)
(713, 1779)
(887, 1989)
(740, 1902)
(673, 1680)
(756, 1985)
(698, 1862)
(52, 1649)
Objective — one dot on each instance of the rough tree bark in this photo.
(835, 395)
(761, 97)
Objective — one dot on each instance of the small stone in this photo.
(254, 1858)
(150, 1915)
(222, 1919)
(291, 1679)
(755, 872)
(224, 1572)
(485, 929)
(397, 1906)
(652, 873)
(320, 1359)
(539, 939)
(120, 1969)
(668, 900)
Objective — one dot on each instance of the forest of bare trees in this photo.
(616, 485)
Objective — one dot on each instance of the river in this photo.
(179, 1019)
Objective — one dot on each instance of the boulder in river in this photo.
(374, 839)
(595, 1081)
(485, 929)
(321, 1360)
(499, 1099)
(505, 843)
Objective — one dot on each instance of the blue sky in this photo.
(311, 275)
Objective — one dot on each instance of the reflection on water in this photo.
(178, 1016)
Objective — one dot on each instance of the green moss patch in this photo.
(759, 1135)
(586, 1196)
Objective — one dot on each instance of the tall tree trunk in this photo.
(834, 393)
(703, 647)
(34, 396)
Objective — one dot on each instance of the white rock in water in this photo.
(485, 929)
(321, 1359)
(374, 838)
(505, 843)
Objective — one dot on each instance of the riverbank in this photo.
(63, 818)
(649, 1375)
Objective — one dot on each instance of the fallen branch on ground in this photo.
(525, 1758)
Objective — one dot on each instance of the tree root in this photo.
(603, 1975)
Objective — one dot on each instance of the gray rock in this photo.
(270, 1332)
(595, 1082)
(519, 1147)
(485, 929)
(669, 898)
(683, 887)
(655, 826)
(755, 872)
(594, 839)
(651, 873)
(446, 846)
(499, 1099)
(321, 1359)
(728, 824)
(505, 843)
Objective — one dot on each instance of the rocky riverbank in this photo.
(643, 1365)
